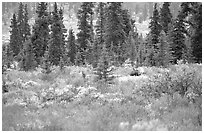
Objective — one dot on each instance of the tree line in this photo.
(112, 40)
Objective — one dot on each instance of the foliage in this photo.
(84, 25)
(165, 16)
(56, 46)
(14, 37)
(21, 23)
(26, 24)
(103, 70)
(27, 61)
(71, 47)
(155, 27)
(40, 32)
(177, 38)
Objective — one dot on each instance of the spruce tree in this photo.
(165, 16)
(196, 38)
(164, 55)
(127, 22)
(63, 35)
(46, 65)
(26, 25)
(71, 47)
(85, 30)
(103, 71)
(56, 42)
(177, 38)
(7, 56)
(100, 31)
(40, 32)
(192, 16)
(14, 36)
(114, 28)
(155, 26)
(27, 61)
(155, 29)
(21, 23)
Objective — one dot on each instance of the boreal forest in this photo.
(102, 66)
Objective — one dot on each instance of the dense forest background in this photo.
(102, 66)
(150, 34)
(140, 11)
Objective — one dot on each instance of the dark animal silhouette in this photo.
(135, 73)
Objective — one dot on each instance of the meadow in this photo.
(161, 99)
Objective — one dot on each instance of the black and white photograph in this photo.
(101, 66)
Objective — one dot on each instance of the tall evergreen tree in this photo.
(63, 34)
(21, 24)
(165, 16)
(46, 65)
(155, 29)
(114, 28)
(27, 61)
(56, 38)
(7, 56)
(127, 22)
(14, 36)
(26, 25)
(71, 47)
(177, 38)
(155, 26)
(197, 33)
(85, 30)
(100, 30)
(192, 16)
(40, 35)
(103, 70)
(164, 55)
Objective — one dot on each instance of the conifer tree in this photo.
(192, 16)
(164, 55)
(72, 47)
(103, 71)
(7, 56)
(56, 38)
(127, 21)
(14, 36)
(21, 23)
(155, 27)
(26, 25)
(40, 32)
(46, 66)
(165, 16)
(27, 61)
(100, 31)
(177, 38)
(63, 34)
(150, 51)
(85, 30)
(197, 34)
(114, 28)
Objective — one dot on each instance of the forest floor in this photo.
(64, 100)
